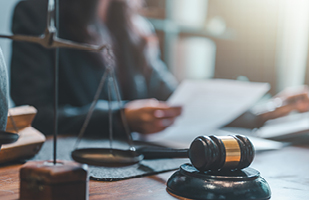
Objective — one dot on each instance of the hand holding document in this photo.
(148, 116)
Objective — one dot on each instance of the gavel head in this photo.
(221, 152)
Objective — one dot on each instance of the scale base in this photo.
(42, 180)
(243, 184)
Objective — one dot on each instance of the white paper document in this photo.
(285, 128)
(182, 138)
(207, 106)
(216, 102)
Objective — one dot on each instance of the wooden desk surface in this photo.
(285, 170)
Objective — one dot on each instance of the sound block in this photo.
(42, 180)
(243, 184)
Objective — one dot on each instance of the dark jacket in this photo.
(3, 93)
(79, 74)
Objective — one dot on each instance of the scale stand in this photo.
(53, 180)
(42, 180)
(242, 184)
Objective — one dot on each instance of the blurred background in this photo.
(258, 40)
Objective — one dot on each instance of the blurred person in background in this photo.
(143, 78)
(144, 81)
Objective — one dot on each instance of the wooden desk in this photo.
(285, 170)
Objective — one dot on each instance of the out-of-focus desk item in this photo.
(21, 117)
(5, 137)
(30, 140)
(285, 170)
(27, 145)
(3, 91)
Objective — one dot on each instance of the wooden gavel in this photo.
(210, 152)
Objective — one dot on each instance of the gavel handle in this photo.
(162, 152)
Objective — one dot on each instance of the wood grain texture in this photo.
(285, 170)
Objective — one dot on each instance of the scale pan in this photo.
(7, 137)
(106, 157)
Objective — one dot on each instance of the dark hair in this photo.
(77, 14)
(128, 43)
(127, 40)
(126, 35)
(119, 22)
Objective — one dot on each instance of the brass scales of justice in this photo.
(219, 164)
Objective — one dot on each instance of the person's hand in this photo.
(290, 99)
(150, 115)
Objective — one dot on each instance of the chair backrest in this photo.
(3, 93)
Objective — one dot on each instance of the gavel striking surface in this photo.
(242, 184)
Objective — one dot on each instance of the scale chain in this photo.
(123, 117)
(110, 75)
(91, 109)
(110, 116)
